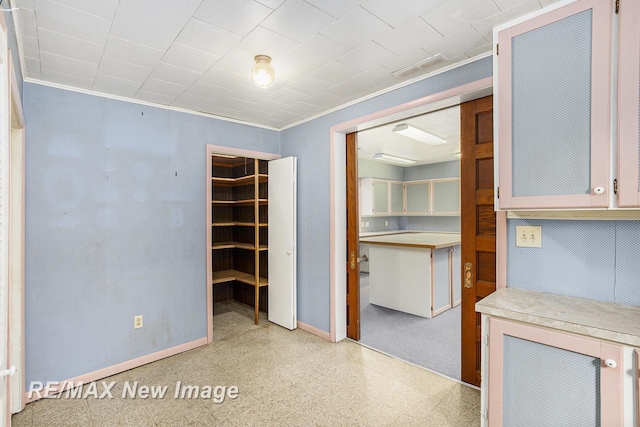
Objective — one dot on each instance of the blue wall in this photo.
(115, 227)
(310, 143)
(369, 168)
(589, 259)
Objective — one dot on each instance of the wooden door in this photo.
(282, 242)
(353, 269)
(478, 222)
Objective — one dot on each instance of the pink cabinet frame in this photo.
(628, 104)
(611, 379)
(600, 108)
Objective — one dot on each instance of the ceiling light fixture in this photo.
(393, 159)
(418, 134)
(263, 73)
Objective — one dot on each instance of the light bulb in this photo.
(263, 73)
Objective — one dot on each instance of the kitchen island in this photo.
(417, 273)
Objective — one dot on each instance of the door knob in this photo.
(362, 258)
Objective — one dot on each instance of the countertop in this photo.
(603, 320)
(415, 240)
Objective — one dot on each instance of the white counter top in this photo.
(603, 320)
(415, 240)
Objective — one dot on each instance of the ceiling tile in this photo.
(297, 20)
(155, 98)
(308, 84)
(221, 111)
(26, 23)
(208, 38)
(335, 71)
(485, 27)
(162, 87)
(455, 15)
(143, 30)
(335, 8)
(167, 11)
(191, 59)
(309, 56)
(268, 106)
(273, 4)
(34, 75)
(103, 8)
(284, 116)
(32, 65)
(457, 43)
(25, 4)
(408, 36)
(192, 102)
(394, 14)
(323, 99)
(262, 41)
(232, 103)
(128, 51)
(113, 85)
(124, 70)
(508, 4)
(172, 74)
(479, 50)
(355, 28)
(238, 62)
(66, 65)
(239, 16)
(249, 92)
(304, 109)
(207, 90)
(286, 96)
(546, 3)
(408, 58)
(63, 45)
(223, 78)
(367, 56)
(54, 76)
(72, 22)
(29, 46)
(364, 82)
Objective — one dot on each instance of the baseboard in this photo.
(315, 331)
(114, 369)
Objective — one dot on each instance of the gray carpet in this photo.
(431, 343)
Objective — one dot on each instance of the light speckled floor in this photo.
(285, 378)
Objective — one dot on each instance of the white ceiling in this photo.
(197, 54)
(443, 123)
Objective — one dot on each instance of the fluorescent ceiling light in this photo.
(393, 159)
(418, 134)
(225, 156)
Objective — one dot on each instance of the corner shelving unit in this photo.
(239, 230)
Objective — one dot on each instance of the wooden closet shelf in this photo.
(243, 180)
(245, 202)
(237, 245)
(231, 275)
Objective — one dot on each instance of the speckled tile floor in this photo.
(284, 378)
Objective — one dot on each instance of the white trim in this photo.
(146, 103)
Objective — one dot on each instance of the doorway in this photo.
(409, 201)
(456, 96)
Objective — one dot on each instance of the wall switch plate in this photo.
(386, 223)
(528, 236)
(137, 321)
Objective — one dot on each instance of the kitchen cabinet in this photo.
(446, 196)
(557, 360)
(628, 177)
(554, 108)
(418, 196)
(379, 197)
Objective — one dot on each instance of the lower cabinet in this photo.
(544, 377)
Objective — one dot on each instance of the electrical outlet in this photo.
(137, 321)
(528, 236)
(386, 223)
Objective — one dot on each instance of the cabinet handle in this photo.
(610, 363)
(598, 190)
(468, 275)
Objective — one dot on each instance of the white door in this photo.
(282, 242)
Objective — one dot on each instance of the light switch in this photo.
(528, 236)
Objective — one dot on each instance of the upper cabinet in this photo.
(446, 196)
(381, 197)
(628, 176)
(554, 108)
(418, 196)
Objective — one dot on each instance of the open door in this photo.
(353, 268)
(282, 242)
(478, 226)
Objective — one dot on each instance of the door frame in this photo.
(210, 151)
(338, 184)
